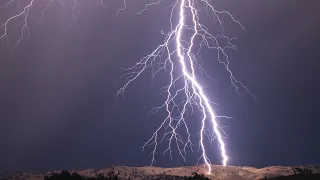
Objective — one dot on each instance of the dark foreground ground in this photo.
(178, 173)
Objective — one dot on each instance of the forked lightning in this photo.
(178, 56)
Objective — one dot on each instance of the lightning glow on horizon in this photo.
(178, 56)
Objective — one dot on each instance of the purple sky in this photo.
(58, 105)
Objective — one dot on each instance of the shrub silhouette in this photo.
(304, 171)
(298, 177)
(165, 176)
(197, 176)
(65, 175)
(299, 174)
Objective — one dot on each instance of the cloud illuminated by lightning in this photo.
(178, 56)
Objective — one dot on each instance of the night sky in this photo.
(58, 104)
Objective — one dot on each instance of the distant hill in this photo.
(218, 172)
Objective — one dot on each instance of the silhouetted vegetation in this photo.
(197, 176)
(65, 175)
(299, 177)
(302, 171)
(299, 174)
(164, 176)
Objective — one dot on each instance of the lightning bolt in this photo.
(178, 56)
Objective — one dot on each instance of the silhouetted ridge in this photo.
(65, 175)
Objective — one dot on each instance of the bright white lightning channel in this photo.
(181, 52)
(178, 56)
